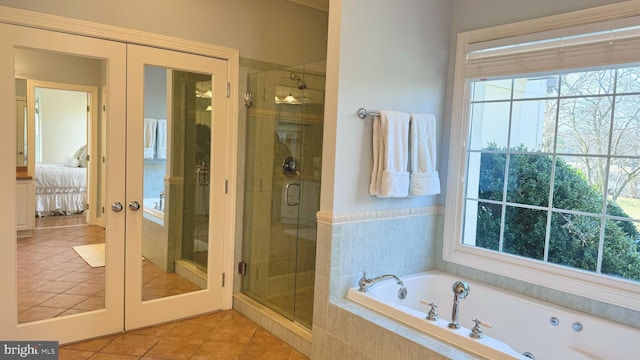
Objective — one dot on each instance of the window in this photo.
(549, 158)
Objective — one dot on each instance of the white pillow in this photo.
(70, 162)
(81, 155)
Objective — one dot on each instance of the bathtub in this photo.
(149, 211)
(521, 325)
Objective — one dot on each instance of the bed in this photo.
(60, 189)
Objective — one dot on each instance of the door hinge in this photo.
(104, 107)
(228, 89)
(103, 209)
(87, 206)
(222, 279)
(88, 108)
(226, 186)
(242, 268)
(87, 157)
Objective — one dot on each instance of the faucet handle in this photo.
(482, 323)
(476, 332)
(363, 283)
(432, 315)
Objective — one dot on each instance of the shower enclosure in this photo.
(285, 111)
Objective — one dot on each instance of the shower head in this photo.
(460, 289)
(302, 84)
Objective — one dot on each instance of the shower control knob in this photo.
(116, 206)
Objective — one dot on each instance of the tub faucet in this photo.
(365, 283)
(460, 291)
(161, 205)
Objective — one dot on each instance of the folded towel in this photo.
(161, 140)
(390, 175)
(149, 140)
(424, 179)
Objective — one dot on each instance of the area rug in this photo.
(91, 254)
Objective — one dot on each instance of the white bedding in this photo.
(60, 190)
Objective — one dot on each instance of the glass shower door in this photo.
(282, 190)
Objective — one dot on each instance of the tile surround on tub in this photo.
(399, 241)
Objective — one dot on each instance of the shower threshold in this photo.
(192, 272)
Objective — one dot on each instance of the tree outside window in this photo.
(553, 169)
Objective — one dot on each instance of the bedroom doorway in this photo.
(63, 118)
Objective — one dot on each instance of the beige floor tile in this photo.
(157, 330)
(68, 354)
(90, 345)
(218, 350)
(64, 300)
(240, 333)
(103, 356)
(34, 297)
(91, 303)
(130, 344)
(85, 289)
(36, 313)
(174, 348)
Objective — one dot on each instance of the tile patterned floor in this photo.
(223, 335)
(54, 281)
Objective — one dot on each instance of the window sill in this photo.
(606, 289)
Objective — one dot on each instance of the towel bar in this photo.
(363, 113)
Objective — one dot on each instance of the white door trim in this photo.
(88, 324)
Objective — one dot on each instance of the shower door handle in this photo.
(286, 195)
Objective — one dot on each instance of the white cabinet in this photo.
(25, 204)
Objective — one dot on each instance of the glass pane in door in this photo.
(176, 142)
(60, 259)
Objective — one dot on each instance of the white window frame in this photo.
(578, 282)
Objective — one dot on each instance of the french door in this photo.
(162, 203)
(175, 153)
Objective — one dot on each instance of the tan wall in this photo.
(276, 31)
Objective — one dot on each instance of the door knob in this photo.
(116, 206)
(134, 205)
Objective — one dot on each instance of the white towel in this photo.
(422, 159)
(161, 141)
(390, 175)
(149, 137)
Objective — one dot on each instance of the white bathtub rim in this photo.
(485, 347)
(150, 213)
(553, 308)
(407, 332)
(521, 297)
